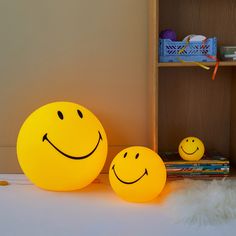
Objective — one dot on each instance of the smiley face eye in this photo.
(193, 140)
(125, 154)
(60, 115)
(80, 114)
(187, 140)
(137, 155)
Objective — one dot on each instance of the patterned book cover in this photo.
(211, 165)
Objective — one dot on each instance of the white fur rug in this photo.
(201, 202)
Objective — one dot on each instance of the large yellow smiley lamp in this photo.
(62, 146)
(137, 174)
(191, 149)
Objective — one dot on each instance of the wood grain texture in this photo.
(190, 103)
(207, 17)
(233, 119)
(189, 64)
(152, 88)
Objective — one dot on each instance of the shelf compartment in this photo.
(190, 104)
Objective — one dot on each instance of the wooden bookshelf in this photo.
(184, 100)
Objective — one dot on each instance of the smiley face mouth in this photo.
(189, 153)
(45, 137)
(132, 182)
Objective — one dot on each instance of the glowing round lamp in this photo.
(191, 149)
(62, 146)
(137, 174)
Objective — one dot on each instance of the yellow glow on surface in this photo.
(62, 146)
(191, 149)
(137, 174)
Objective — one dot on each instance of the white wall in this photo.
(90, 52)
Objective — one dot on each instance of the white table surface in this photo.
(95, 210)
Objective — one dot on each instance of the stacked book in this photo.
(211, 165)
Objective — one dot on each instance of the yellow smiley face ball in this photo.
(191, 149)
(62, 146)
(137, 174)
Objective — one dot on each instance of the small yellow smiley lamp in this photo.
(137, 174)
(191, 149)
(62, 146)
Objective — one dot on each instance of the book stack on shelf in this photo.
(211, 165)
